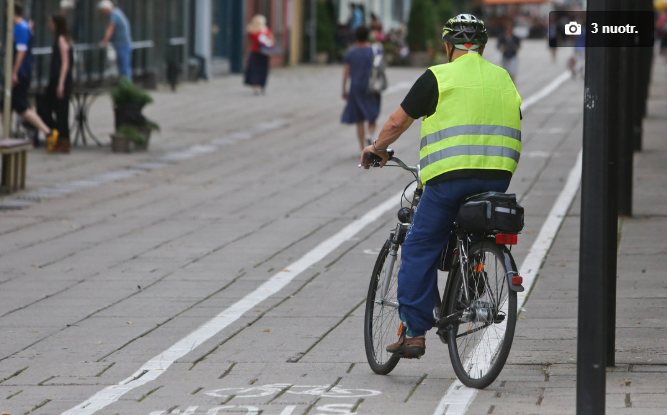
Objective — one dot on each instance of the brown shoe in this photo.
(63, 146)
(408, 347)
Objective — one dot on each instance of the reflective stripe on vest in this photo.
(477, 121)
(471, 130)
(489, 151)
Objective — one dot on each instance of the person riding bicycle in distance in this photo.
(470, 144)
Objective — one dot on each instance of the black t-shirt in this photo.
(422, 101)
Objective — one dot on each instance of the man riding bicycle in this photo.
(470, 144)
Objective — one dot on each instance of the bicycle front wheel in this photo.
(381, 321)
(480, 341)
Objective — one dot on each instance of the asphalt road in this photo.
(190, 281)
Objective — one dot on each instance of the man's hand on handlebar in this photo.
(367, 163)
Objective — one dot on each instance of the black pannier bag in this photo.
(491, 212)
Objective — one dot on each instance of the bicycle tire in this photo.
(465, 362)
(380, 361)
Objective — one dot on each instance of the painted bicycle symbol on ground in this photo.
(324, 391)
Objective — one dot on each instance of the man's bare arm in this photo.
(17, 66)
(397, 124)
(107, 34)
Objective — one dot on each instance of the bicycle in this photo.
(476, 316)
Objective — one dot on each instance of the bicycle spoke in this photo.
(479, 342)
(385, 316)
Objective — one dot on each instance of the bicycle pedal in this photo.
(442, 333)
(409, 356)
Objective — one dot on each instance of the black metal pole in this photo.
(627, 121)
(626, 129)
(595, 232)
(641, 74)
(614, 86)
(646, 64)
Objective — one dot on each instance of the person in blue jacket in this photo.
(22, 76)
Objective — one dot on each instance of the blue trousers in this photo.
(124, 61)
(432, 224)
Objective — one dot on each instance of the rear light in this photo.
(517, 280)
(506, 239)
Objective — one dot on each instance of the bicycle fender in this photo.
(512, 271)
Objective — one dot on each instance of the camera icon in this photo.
(573, 29)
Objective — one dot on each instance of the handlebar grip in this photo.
(372, 157)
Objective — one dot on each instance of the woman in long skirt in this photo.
(59, 89)
(261, 45)
(362, 106)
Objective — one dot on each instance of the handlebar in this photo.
(374, 161)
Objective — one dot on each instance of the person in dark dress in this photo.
(509, 44)
(261, 43)
(59, 89)
(362, 107)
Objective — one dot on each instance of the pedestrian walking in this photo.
(261, 45)
(553, 37)
(59, 89)
(119, 34)
(362, 106)
(377, 29)
(577, 63)
(356, 17)
(509, 44)
(22, 76)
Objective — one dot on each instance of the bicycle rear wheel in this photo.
(381, 321)
(481, 340)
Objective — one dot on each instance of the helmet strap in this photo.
(451, 53)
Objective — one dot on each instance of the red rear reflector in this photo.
(517, 280)
(506, 239)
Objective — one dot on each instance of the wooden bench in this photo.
(14, 161)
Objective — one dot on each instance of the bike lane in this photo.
(337, 358)
(318, 331)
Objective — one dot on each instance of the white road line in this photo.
(152, 369)
(458, 397)
(544, 92)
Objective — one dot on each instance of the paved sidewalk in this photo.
(96, 284)
(540, 377)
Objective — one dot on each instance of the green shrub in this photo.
(326, 28)
(132, 133)
(445, 11)
(422, 26)
(128, 93)
(152, 125)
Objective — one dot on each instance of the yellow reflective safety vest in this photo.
(477, 124)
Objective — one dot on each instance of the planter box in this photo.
(120, 144)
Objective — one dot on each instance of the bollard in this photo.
(597, 225)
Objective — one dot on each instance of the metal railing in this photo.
(91, 64)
